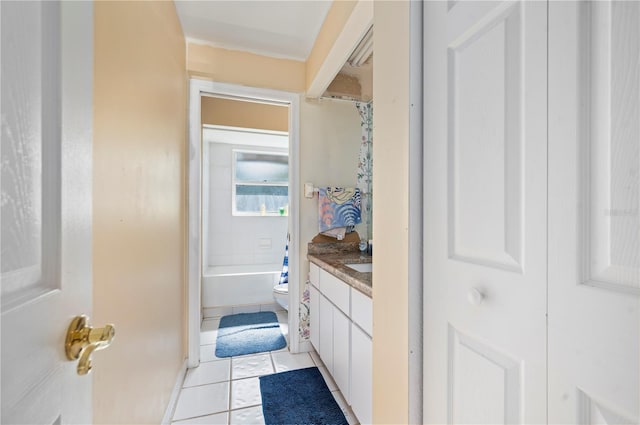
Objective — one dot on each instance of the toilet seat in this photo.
(281, 289)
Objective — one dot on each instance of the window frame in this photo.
(235, 183)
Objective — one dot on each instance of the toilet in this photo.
(281, 295)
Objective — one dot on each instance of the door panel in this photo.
(594, 219)
(485, 212)
(29, 157)
(484, 385)
(485, 185)
(609, 155)
(45, 206)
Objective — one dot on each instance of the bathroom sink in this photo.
(361, 267)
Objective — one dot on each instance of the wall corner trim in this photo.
(171, 407)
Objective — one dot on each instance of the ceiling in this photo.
(285, 29)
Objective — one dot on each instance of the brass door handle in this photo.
(82, 340)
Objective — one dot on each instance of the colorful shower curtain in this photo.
(365, 163)
(284, 275)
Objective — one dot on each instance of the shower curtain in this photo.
(284, 275)
(365, 164)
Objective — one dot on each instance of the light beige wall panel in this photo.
(390, 212)
(237, 113)
(330, 137)
(139, 207)
(236, 67)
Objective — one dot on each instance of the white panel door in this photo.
(46, 109)
(485, 212)
(594, 218)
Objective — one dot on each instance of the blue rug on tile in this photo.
(248, 333)
(299, 397)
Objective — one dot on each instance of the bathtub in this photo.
(230, 286)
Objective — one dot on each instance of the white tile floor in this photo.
(227, 391)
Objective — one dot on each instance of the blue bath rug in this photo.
(299, 397)
(248, 333)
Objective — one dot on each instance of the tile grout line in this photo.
(273, 363)
(230, 382)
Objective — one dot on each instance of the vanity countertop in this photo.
(334, 263)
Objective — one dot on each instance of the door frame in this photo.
(197, 89)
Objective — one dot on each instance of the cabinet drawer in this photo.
(335, 290)
(362, 311)
(314, 275)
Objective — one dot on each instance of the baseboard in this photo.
(168, 414)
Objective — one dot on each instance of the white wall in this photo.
(330, 137)
(236, 240)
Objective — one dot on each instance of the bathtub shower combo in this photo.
(245, 288)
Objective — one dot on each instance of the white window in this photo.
(260, 183)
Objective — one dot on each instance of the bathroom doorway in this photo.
(239, 222)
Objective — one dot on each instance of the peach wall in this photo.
(140, 96)
(390, 224)
(238, 113)
(249, 69)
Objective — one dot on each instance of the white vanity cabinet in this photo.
(340, 331)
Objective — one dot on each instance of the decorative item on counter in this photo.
(338, 233)
(362, 245)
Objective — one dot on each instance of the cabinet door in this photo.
(326, 333)
(361, 370)
(314, 319)
(341, 352)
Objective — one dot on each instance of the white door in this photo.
(485, 212)
(46, 109)
(594, 218)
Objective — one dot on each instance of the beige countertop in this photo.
(334, 263)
